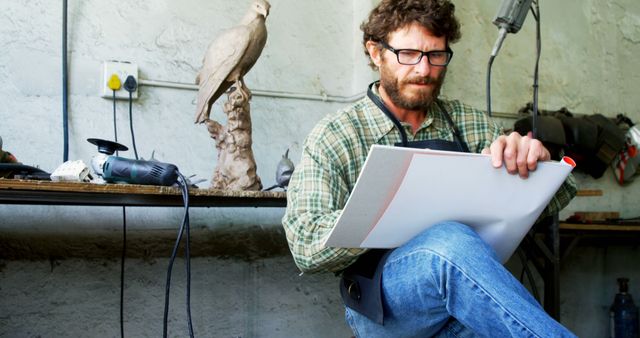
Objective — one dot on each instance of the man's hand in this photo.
(520, 154)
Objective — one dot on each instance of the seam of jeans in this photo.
(452, 332)
(422, 250)
(352, 323)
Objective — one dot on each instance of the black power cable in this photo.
(131, 86)
(65, 85)
(187, 251)
(184, 186)
(527, 271)
(124, 222)
(491, 58)
(534, 118)
(115, 127)
(534, 131)
(124, 254)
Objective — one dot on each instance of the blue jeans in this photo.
(447, 282)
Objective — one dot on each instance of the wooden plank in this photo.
(588, 216)
(65, 193)
(599, 227)
(589, 192)
(11, 184)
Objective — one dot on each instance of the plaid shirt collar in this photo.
(380, 125)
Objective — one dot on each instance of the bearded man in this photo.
(446, 281)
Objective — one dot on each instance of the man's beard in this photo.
(422, 100)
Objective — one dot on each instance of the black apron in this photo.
(360, 284)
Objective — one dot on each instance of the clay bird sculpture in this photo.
(230, 57)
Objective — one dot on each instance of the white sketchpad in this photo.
(402, 191)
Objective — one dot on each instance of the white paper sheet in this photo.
(408, 190)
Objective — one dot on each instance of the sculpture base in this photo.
(236, 166)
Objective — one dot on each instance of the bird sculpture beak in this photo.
(264, 11)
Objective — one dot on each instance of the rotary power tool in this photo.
(119, 169)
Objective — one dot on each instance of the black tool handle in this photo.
(118, 169)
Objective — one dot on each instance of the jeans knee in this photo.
(450, 229)
(450, 240)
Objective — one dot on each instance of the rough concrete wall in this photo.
(230, 298)
(588, 286)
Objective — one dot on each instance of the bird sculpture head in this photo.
(261, 7)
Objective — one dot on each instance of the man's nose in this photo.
(423, 67)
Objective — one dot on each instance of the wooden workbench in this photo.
(71, 193)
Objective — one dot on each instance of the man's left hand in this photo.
(520, 154)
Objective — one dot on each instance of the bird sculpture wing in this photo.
(222, 57)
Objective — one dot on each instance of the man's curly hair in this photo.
(438, 16)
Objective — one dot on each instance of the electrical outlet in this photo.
(122, 69)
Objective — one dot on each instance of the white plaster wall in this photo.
(310, 50)
(306, 53)
(588, 64)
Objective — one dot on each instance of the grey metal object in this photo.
(284, 170)
(511, 15)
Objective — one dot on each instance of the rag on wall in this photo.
(594, 142)
(625, 165)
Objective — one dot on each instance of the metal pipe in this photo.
(257, 92)
(299, 96)
(506, 115)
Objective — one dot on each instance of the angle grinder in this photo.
(119, 169)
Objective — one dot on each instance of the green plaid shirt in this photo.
(332, 157)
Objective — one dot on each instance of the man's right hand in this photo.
(519, 154)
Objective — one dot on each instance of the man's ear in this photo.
(374, 52)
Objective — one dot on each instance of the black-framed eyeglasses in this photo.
(414, 56)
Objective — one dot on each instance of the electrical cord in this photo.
(65, 85)
(114, 84)
(527, 271)
(273, 187)
(491, 58)
(124, 254)
(534, 118)
(187, 251)
(131, 86)
(184, 186)
(115, 127)
(502, 34)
